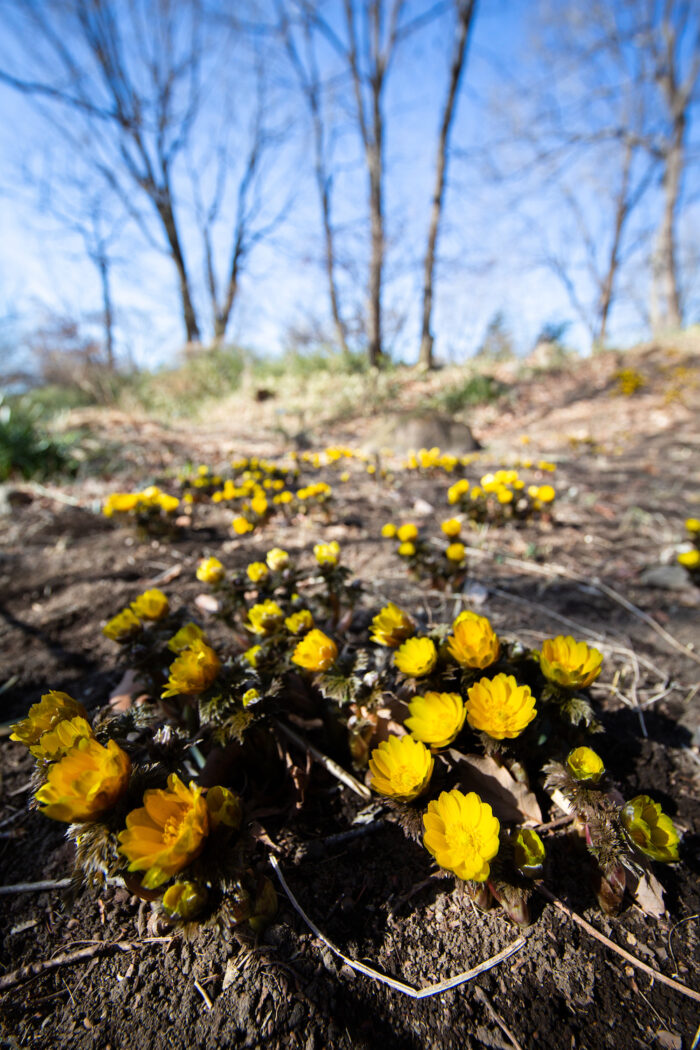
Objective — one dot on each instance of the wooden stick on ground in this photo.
(332, 767)
(24, 973)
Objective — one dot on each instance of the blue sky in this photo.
(491, 246)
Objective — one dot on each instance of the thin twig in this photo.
(690, 992)
(24, 973)
(35, 887)
(328, 764)
(207, 1001)
(483, 998)
(392, 982)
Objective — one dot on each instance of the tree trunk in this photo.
(608, 288)
(465, 12)
(107, 311)
(665, 273)
(189, 315)
(376, 265)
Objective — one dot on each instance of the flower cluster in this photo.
(151, 509)
(689, 558)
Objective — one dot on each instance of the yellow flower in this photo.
(88, 780)
(416, 657)
(461, 833)
(167, 503)
(120, 503)
(452, 527)
(241, 525)
(500, 707)
(167, 834)
(315, 652)
(259, 504)
(122, 626)
(436, 718)
(689, 559)
(58, 742)
(327, 553)
(401, 768)
(264, 617)
(584, 764)
(545, 493)
(251, 655)
(53, 708)
(406, 533)
(407, 549)
(391, 626)
(545, 465)
(151, 605)
(456, 552)
(299, 622)
(504, 495)
(193, 671)
(692, 524)
(184, 638)
(257, 571)
(529, 852)
(224, 808)
(388, 531)
(473, 642)
(456, 491)
(210, 570)
(277, 559)
(650, 829)
(250, 696)
(184, 900)
(570, 663)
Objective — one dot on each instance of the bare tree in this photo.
(464, 10)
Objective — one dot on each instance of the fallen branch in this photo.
(24, 973)
(35, 887)
(328, 764)
(657, 976)
(392, 982)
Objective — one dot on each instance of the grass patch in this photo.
(478, 389)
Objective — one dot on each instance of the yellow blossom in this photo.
(257, 571)
(406, 533)
(416, 657)
(259, 504)
(545, 493)
(456, 491)
(689, 559)
(407, 549)
(452, 527)
(184, 638)
(388, 531)
(58, 741)
(210, 570)
(193, 671)
(122, 626)
(401, 768)
(167, 833)
(86, 782)
(264, 617)
(500, 707)
(315, 652)
(53, 708)
(151, 605)
(570, 663)
(650, 829)
(277, 559)
(391, 626)
(120, 503)
(473, 642)
(327, 553)
(251, 655)
(692, 524)
(436, 718)
(241, 525)
(184, 900)
(584, 764)
(167, 503)
(250, 696)
(528, 852)
(456, 552)
(299, 622)
(224, 808)
(461, 833)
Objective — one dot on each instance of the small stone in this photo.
(665, 577)
(668, 1040)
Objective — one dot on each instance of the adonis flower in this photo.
(529, 852)
(416, 657)
(193, 671)
(436, 718)
(388, 530)
(584, 764)
(456, 552)
(299, 622)
(184, 638)
(251, 655)
(406, 549)
(151, 605)
(120, 503)
(122, 626)
(650, 829)
(570, 663)
(57, 742)
(461, 833)
(401, 768)
(184, 900)
(264, 616)
(500, 707)
(277, 559)
(88, 780)
(473, 642)
(168, 833)
(452, 527)
(224, 808)
(327, 553)
(315, 652)
(53, 708)
(406, 533)
(690, 559)
(241, 525)
(210, 570)
(391, 626)
(257, 571)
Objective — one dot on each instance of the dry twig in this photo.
(24, 973)
(328, 764)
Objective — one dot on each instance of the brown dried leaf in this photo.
(207, 603)
(649, 895)
(509, 799)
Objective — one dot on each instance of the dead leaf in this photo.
(649, 895)
(122, 696)
(207, 603)
(165, 577)
(509, 799)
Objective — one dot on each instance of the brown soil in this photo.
(625, 485)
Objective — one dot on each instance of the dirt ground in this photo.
(627, 477)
